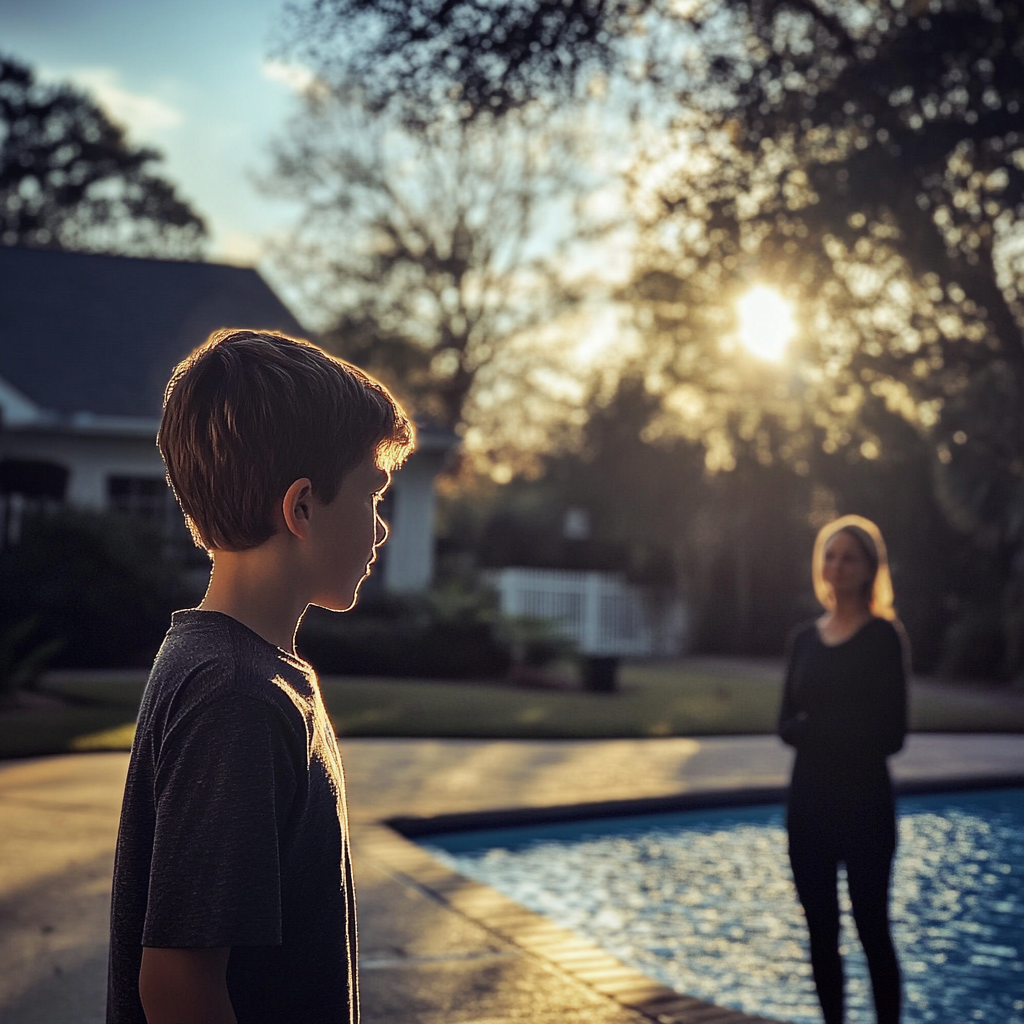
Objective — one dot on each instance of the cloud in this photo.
(294, 76)
(143, 115)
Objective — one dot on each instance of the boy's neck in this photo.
(256, 588)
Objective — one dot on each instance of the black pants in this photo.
(866, 845)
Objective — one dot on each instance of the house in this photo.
(87, 343)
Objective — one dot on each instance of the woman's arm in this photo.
(792, 724)
(892, 677)
(185, 986)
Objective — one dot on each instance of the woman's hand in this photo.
(793, 730)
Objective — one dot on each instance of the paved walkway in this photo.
(433, 948)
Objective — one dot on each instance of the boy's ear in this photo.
(297, 507)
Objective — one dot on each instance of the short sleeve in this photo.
(223, 785)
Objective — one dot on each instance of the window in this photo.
(28, 487)
(141, 497)
(33, 479)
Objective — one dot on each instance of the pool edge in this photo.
(414, 826)
(537, 935)
(391, 844)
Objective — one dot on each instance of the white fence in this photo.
(604, 614)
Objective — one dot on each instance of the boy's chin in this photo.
(340, 602)
(335, 604)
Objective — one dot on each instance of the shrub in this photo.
(975, 644)
(454, 632)
(534, 643)
(100, 583)
(23, 657)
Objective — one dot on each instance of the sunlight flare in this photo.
(766, 320)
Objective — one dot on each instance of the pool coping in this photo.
(415, 826)
(537, 935)
(391, 843)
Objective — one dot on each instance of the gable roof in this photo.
(81, 332)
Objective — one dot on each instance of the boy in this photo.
(233, 898)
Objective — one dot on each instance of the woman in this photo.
(844, 708)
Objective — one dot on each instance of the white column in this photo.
(409, 566)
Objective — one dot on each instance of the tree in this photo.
(434, 257)
(490, 59)
(69, 178)
(875, 166)
(866, 157)
(793, 112)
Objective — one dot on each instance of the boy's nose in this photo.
(382, 531)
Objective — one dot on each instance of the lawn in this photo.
(654, 700)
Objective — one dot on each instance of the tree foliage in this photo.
(874, 169)
(866, 158)
(480, 57)
(70, 179)
(877, 170)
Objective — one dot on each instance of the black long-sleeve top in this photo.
(844, 708)
(847, 700)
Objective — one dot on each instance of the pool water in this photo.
(703, 901)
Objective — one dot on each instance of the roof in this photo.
(87, 333)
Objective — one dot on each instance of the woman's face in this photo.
(846, 568)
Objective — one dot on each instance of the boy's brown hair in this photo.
(249, 412)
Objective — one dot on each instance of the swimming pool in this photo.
(703, 901)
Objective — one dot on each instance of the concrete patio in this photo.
(434, 946)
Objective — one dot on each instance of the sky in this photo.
(195, 78)
(199, 80)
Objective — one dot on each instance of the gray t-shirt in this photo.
(234, 830)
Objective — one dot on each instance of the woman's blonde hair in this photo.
(878, 589)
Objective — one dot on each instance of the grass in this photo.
(654, 700)
(28, 731)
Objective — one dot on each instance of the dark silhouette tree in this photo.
(874, 168)
(69, 178)
(489, 58)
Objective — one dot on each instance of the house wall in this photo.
(90, 460)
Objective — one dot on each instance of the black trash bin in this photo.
(600, 674)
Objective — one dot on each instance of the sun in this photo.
(766, 323)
